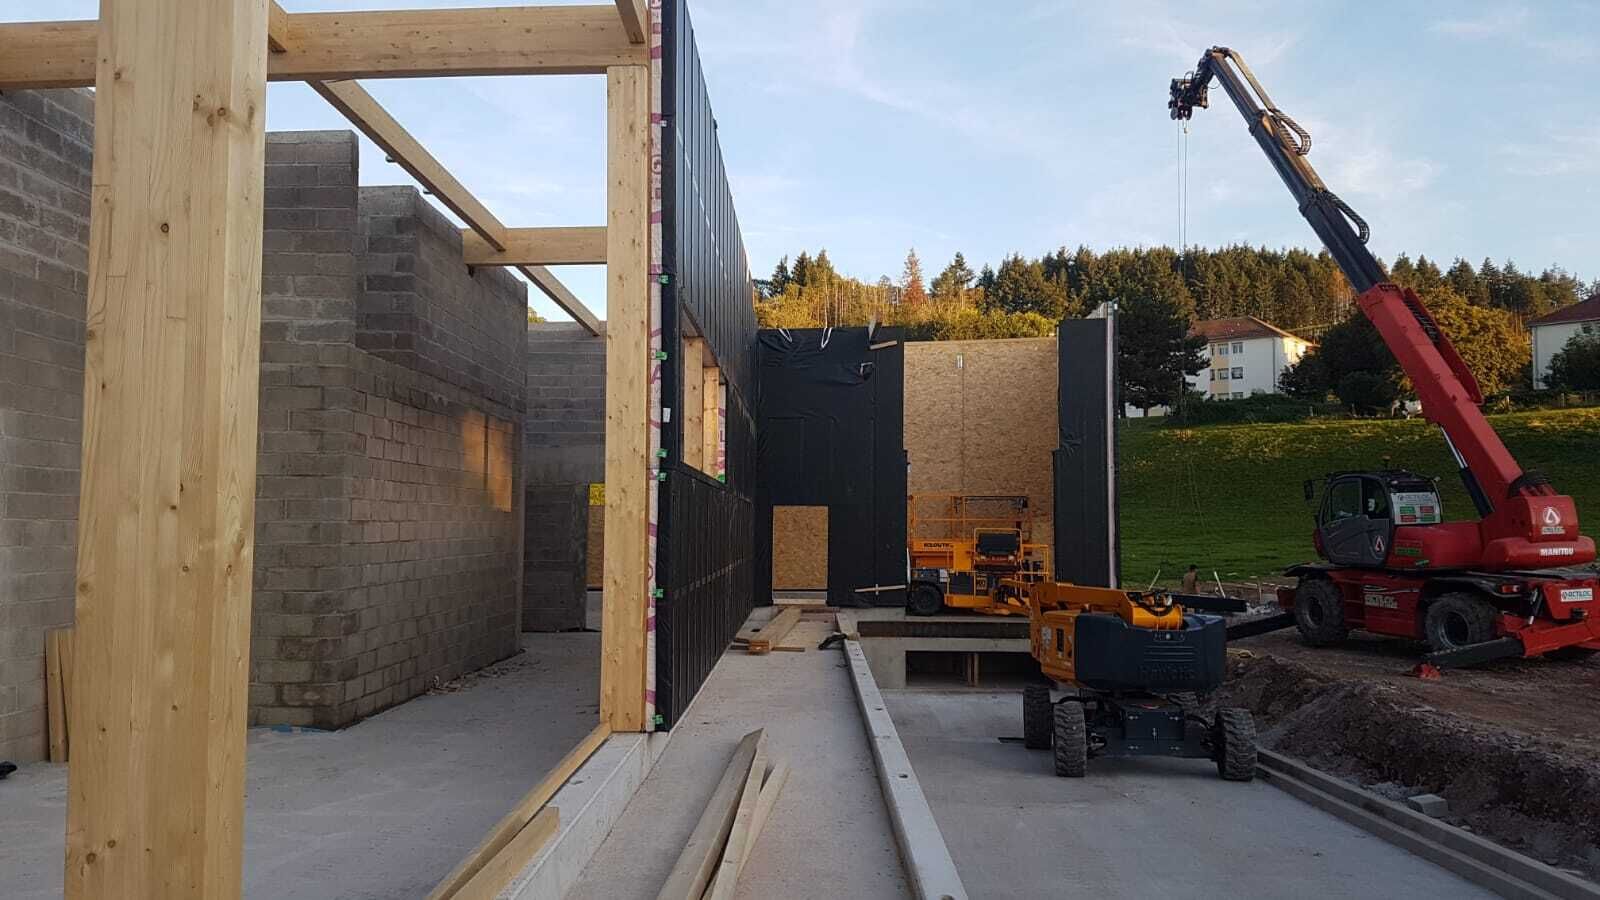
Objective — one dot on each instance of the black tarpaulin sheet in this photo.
(830, 427)
(1087, 540)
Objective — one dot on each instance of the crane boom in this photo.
(1449, 392)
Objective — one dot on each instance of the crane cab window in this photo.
(1374, 499)
(1344, 501)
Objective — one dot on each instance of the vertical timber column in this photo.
(693, 406)
(166, 521)
(628, 366)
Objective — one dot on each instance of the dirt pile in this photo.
(1537, 796)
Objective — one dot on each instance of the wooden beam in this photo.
(635, 20)
(525, 40)
(55, 698)
(775, 631)
(711, 417)
(628, 463)
(367, 114)
(551, 287)
(155, 803)
(523, 813)
(279, 39)
(513, 858)
(538, 247)
(696, 865)
(694, 404)
(739, 837)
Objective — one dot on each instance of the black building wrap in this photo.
(831, 422)
(704, 547)
(1088, 543)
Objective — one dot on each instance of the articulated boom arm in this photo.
(1449, 393)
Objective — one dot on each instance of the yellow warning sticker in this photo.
(597, 495)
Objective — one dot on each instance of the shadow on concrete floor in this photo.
(383, 809)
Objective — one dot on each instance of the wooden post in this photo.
(694, 407)
(711, 396)
(628, 464)
(165, 526)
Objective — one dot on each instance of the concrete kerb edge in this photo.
(1480, 861)
(923, 850)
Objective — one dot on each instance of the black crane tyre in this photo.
(1319, 612)
(1457, 620)
(1236, 744)
(1071, 741)
(1571, 654)
(1036, 715)
(924, 600)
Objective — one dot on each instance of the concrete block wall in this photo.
(389, 518)
(389, 527)
(46, 144)
(565, 452)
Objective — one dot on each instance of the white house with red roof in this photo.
(1552, 331)
(1244, 356)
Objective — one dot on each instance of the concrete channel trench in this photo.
(953, 686)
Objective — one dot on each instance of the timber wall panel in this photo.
(799, 548)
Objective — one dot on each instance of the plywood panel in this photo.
(800, 548)
(693, 413)
(981, 418)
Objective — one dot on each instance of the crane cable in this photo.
(1183, 189)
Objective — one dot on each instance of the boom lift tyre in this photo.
(1235, 740)
(924, 600)
(1071, 740)
(1509, 582)
(1036, 717)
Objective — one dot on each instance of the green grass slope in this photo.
(1229, 497)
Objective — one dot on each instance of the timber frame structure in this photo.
(156, 784)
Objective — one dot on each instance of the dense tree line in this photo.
(1159, 293)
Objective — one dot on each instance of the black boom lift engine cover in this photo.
(1111, 655)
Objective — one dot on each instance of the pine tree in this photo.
(953, 282)
(780, 278)
(916, 293)
(800, 273)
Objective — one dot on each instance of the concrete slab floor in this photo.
(1133, 828)
(829, 835)
(384, 809)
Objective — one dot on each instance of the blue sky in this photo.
(872, 126)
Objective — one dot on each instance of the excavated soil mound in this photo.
(1536, 796)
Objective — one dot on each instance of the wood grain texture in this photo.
(366, 113)
(279, 28)
(581, 246)
(167, 508)
(498, 871)
(741, 835)
(694, 407)
(712, 396)
(635, 19)
(55, 697)
(525, 40)
(697, 864)
(513, 823)
(628, 464)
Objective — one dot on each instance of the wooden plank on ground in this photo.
(628, 413)
(740, 836)
(55, 696)
(773, 633)
(415, 43)
(366, 113)
(518, 818)
(512, 858)
(697, 863)
(172, 370)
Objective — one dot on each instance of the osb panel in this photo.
(597, 546)
(981, 418)
(800, 548)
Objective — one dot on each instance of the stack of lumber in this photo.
(511, 845)
(764, 637)
(709, 867)
(58, 645)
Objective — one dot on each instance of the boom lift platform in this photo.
(1474, 591)
(1132, 663)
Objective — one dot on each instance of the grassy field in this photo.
(1229, 497)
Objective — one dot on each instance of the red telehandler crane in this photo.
(1508, 584)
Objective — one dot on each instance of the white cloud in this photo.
(1560, 152)
(1495, 23)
